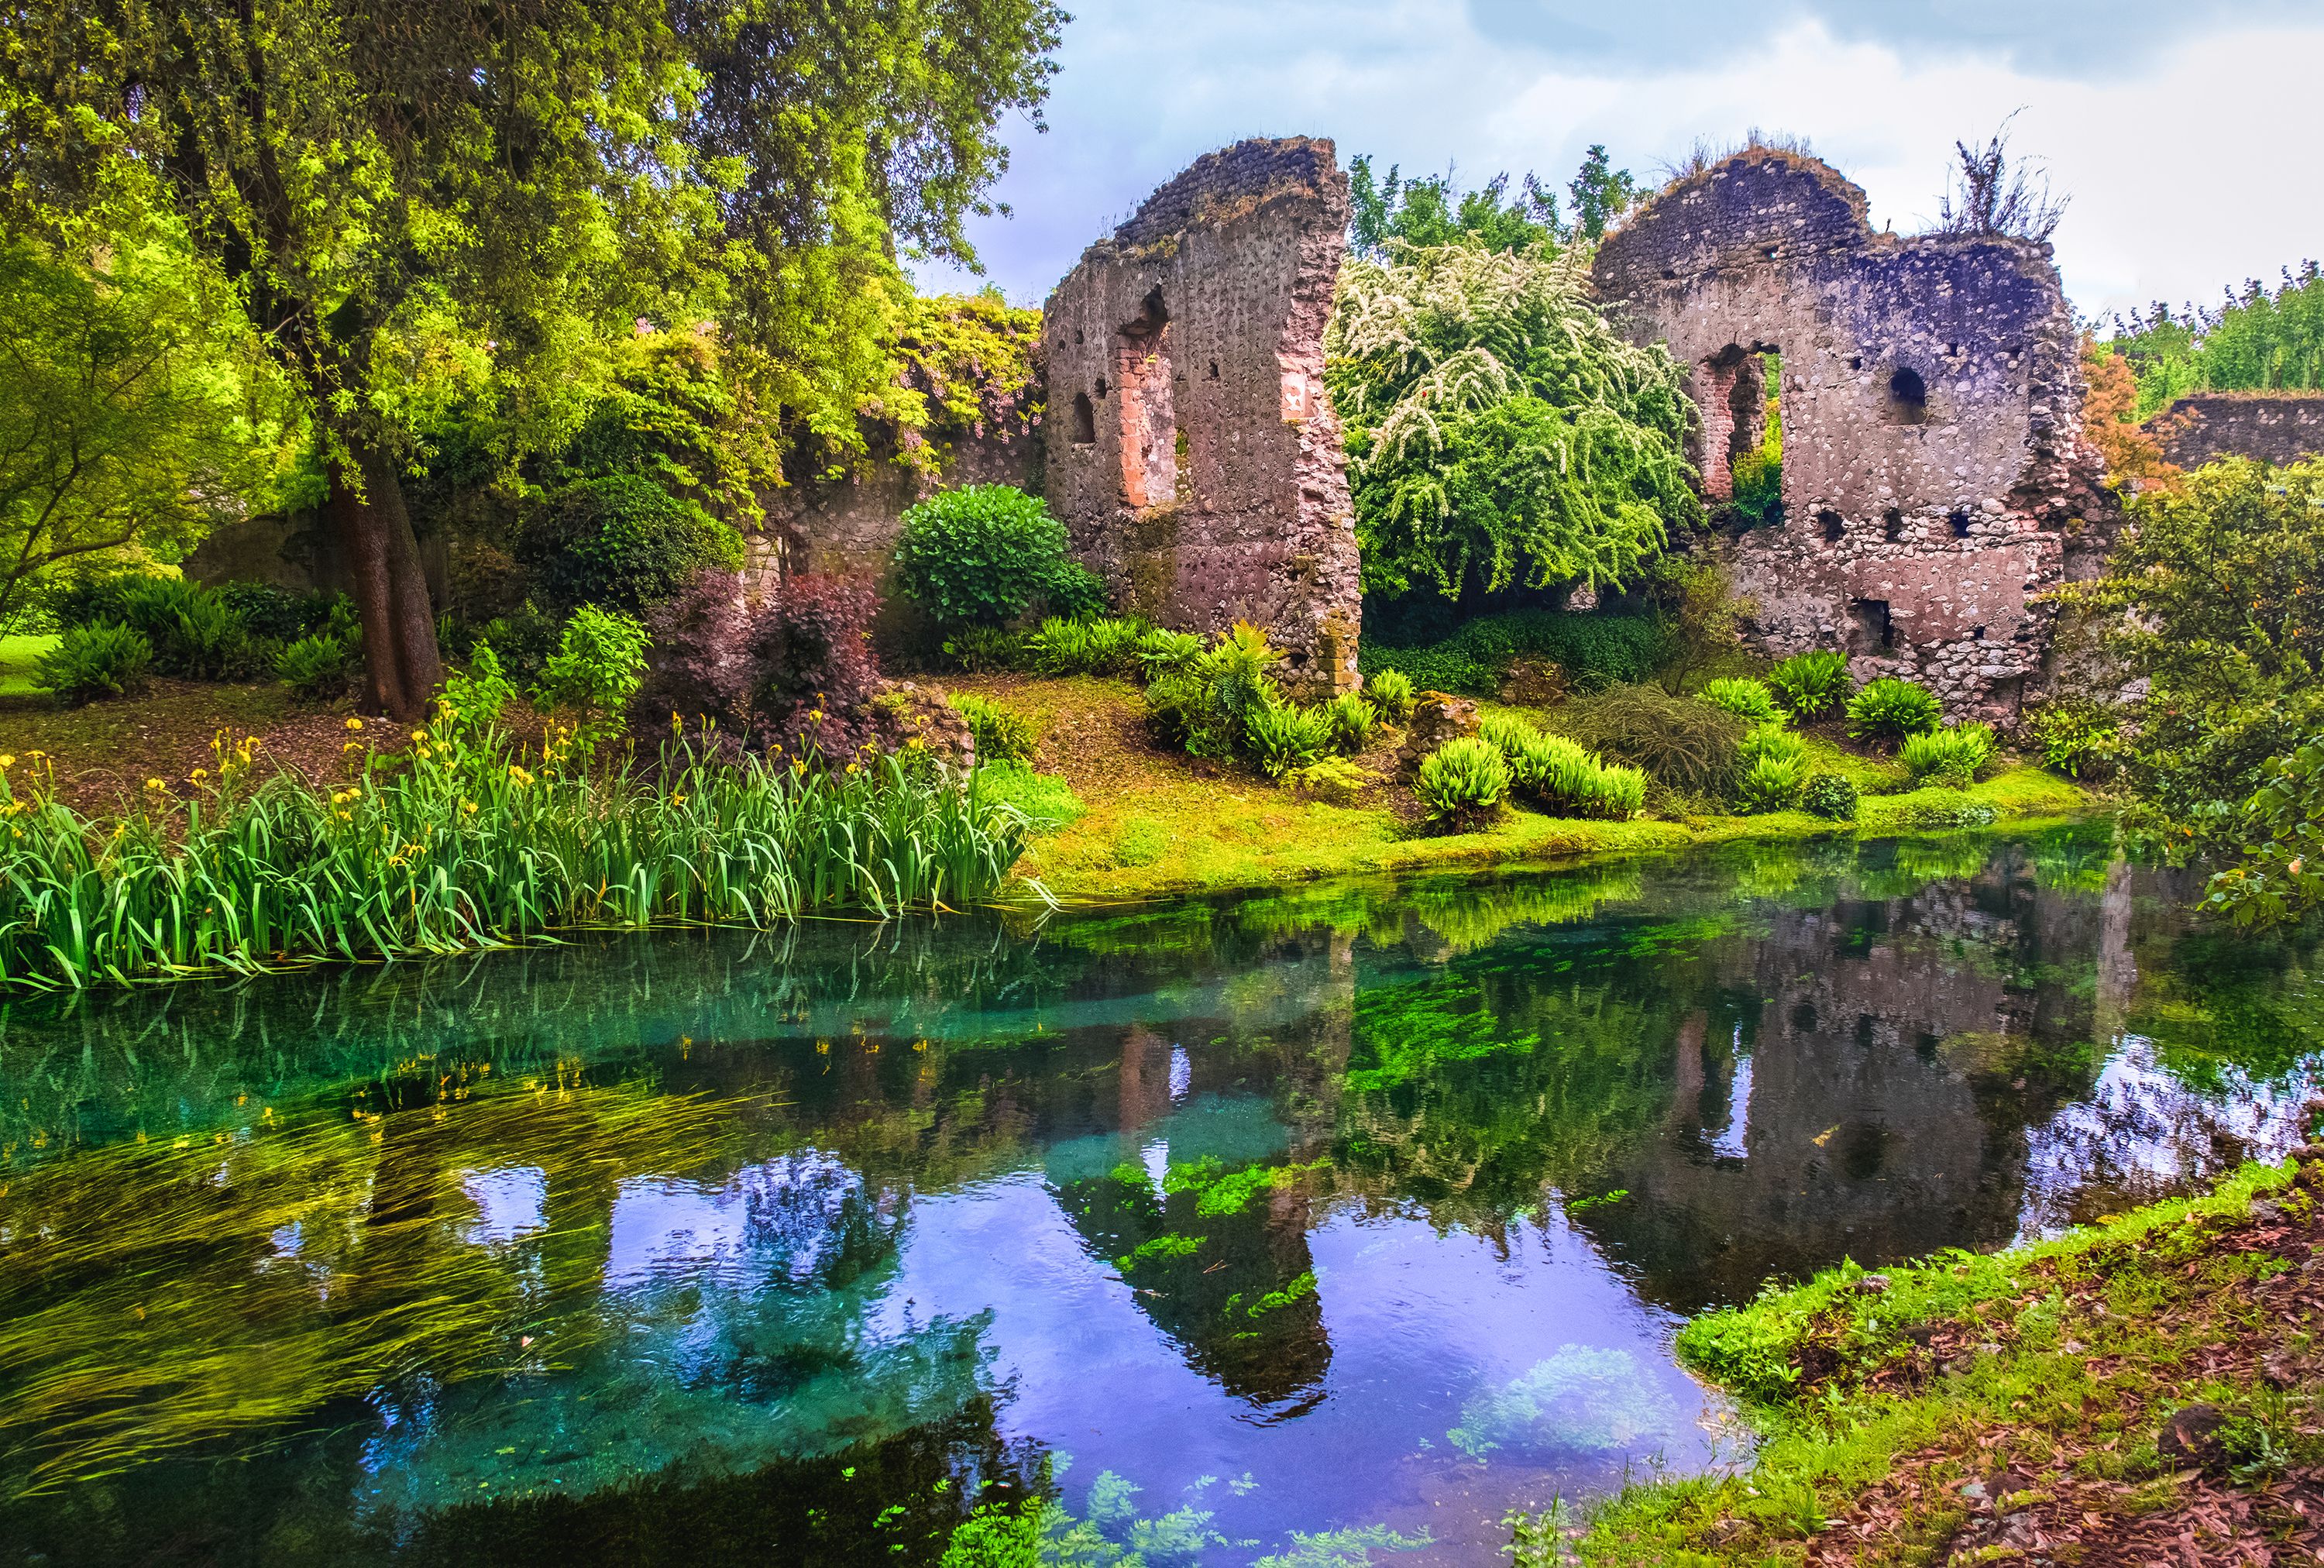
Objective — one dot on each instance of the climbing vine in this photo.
(1498, 431)
(962, 366)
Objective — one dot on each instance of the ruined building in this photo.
(1191, 454)
(1934, 472)
(2274, 426)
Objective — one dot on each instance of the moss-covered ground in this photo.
(2150, 1389)
(1159, 822)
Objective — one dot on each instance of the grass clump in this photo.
(1811, 685)
(1953, 756)
(1889, 710)
(1045, 801)
(1001, 733)
(1775, 769)
(1391, 691)
(1462, 783)
(1681, 744)
(465, 842)
(1284, 737)
(88, 663)
(1748, 700)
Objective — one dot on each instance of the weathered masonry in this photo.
(2273, 427)
(1933, 460)
(1192, 453)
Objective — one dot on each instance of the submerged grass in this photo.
(158, 1297)
(459, 843)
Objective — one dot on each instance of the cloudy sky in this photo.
(2186, 131)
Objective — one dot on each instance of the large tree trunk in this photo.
(401, 663)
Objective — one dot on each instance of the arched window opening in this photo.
(1908, 397)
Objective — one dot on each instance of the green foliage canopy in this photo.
(1498, 431)
(2260, 339)
(2211, 598)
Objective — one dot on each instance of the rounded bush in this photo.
(1811, 685)
(320, 668)
(1462, 783)
(1391, 692)
(1750, 700)
(1830, 795)
(100, 660)
(621, 542)
(981, 555)
(1951, 756)
(1889, 709)
(1284, 737)
(1002, 734)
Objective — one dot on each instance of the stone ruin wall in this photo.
(2273, 427)
(1933, 465)
(1192, 453)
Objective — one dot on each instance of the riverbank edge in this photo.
(1965, 1406)
(1312, 841)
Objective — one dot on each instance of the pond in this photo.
(1316, 1227)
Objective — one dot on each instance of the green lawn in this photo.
(17, 655)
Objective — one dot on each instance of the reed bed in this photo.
(467, 841)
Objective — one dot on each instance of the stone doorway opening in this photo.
(1149, 411)
(1741, 400)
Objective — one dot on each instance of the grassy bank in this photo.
(2023, 1406)
(1159, 823)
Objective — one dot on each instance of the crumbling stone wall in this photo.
(1192, 452)
(850, 525)
(1933, 460)
(2273, 427)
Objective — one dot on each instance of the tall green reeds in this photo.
(463, 842)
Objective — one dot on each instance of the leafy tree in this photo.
(1498, 431)
(2210, 598)
(2260, 339)
(418, 202)
(1435, 211)
(126, 427)
(2109, 418)
(1602, 194)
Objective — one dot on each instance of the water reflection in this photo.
(1357, 1206)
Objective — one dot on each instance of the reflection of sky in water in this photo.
(2139, 1131)
(511, 1203)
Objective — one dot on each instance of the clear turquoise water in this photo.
(1323, 1227)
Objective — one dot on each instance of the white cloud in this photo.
(2189, 168)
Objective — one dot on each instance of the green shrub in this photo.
(195, 635)
(1682, 743)
(1889, 709)
(1392, 693)
(1175, 702)
(1950, 756)
(1284, 737)
(1354, 722)
(1616, 793)
(983, 555)
(1107, 645)
(599, 663)
(1045, 801)
(2078, 737)
(89, 662)
(1002, 734)
(1830, 795)
(1772, 782)
(980, 650)
(84, 601)
(1748, 700)
(622, 542)
(1462, 783)
(1553, 769)
(321, 667)
(1075, 591)
(1813, 684)
(1594, 651)
(275, 613)
(1160, 648)
(1237, 675)
(473, 699)
(1772, 739)
(1506, 732)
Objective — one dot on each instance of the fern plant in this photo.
(1750, 700)
(1284, 737)
(1462, 783)
(1889, 709)
(1813, 684)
